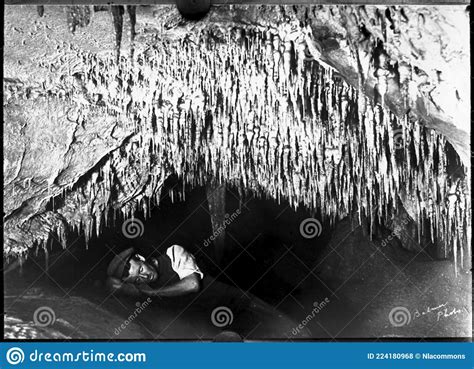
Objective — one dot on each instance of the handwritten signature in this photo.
(442, 311)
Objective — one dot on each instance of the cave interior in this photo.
(314, 157)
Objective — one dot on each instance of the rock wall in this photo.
(338, 109)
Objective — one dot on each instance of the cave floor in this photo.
(90, 312)
(87, 312)
(349, 296)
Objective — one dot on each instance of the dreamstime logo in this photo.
(310, 228)
(222, 316)
(227, 221)
(399, 316)
(317, 307)
(133, 228)
(15, 356)
(44, 316)
(140, 306)
(403, 224)
(398, 141)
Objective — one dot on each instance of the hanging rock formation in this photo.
(337, 109)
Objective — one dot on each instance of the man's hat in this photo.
(118, 263)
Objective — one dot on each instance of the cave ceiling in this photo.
(338, 109)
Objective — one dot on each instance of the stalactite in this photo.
(231, 113)
(77, 16)
(46, 260)
(117, 14)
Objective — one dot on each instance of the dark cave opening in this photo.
(259, 235)
(265, 255)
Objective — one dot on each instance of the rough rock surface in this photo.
(380, 279)
(94, 124)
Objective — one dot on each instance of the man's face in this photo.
(141, 271)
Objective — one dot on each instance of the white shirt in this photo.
(182, 262)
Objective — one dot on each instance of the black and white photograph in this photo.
(237, 172)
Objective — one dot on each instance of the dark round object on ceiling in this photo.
(193, 9)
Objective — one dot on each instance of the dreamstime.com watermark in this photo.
(44, 316)
(310, 228)
(398, 141)
(227, 221)
(318, 306)
(16, 355)
(133, 228)
(140, 306)
(222, 316)
(404, 222)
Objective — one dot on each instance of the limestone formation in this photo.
(339, 109)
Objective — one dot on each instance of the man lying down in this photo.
(177, 280)
(174, 273)
(175, 277)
